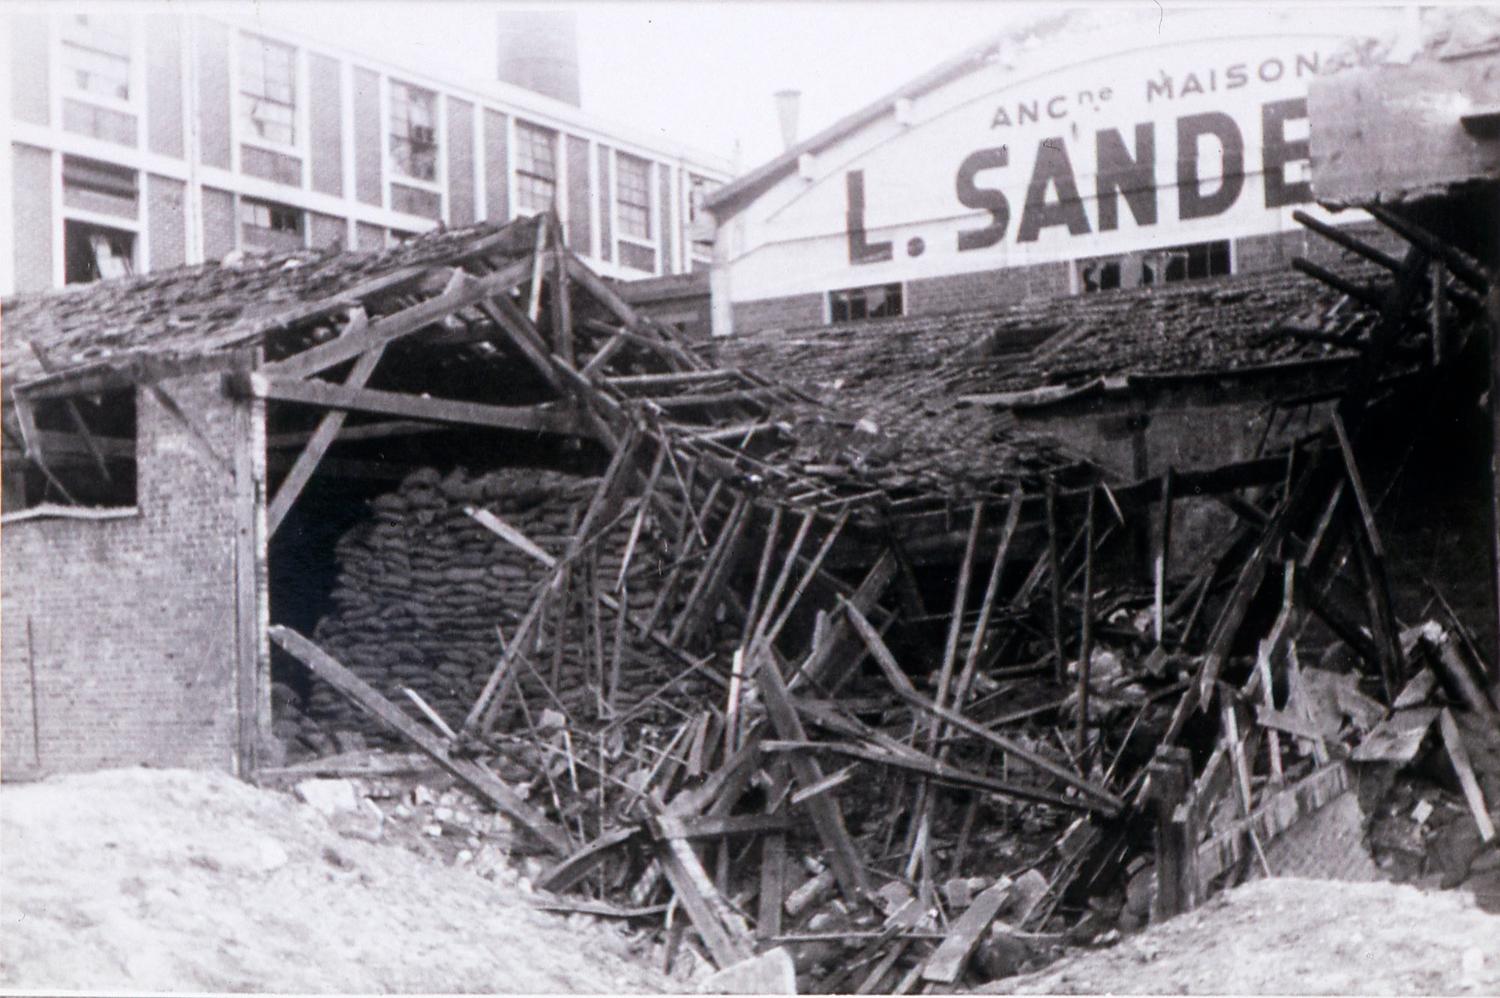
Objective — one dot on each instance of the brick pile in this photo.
(423, 592)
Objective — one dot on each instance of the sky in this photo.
(702, 73)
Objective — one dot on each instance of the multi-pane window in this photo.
(875, 302)
(633, 197)
(1186, 263)
(265, 225)
(414, 131)
(536, 168)
(96, 54)
(268, 89)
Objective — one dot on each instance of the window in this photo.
(96, 54)
(876, 302)
(95, 252)
(700, 222)
(1100, 274)
(268, 226)
(414, 131)
(1186, 263)
(70, 452)
(536, 168)
(633, 197)
(100, 187)
(268, 89)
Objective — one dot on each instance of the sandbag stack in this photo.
(424, 591)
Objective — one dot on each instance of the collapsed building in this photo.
(848, 639)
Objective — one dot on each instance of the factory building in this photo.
(143, 141)
(1102, 148)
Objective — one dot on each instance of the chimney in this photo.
(539, 51)
(786, 109)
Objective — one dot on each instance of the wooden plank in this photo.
(575, 867)
(782, 577)
(363, 695)
(1163, 554)
(1086, 628)
(392, 327)
(562, 308)
(956, 617)
(986, 608)
(1459, 756)
(252, 685)
(948, 960)
(722, 930)
(1059, 658)
(828, 819)
(800, 589)
(511, 535)
(323, 437)
(712, 827)
(537, 419)
(514, 325)
(1103, 799)
(772, 885)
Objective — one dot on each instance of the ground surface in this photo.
(167, 880)
(1291, 936)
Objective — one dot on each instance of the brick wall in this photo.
(128, 625)
(164, 84)
(213, 94)
(369, 237)
(326, 230)
(166, 221)
(579, 204)
(325, 123)
(30, 99)
(965, 292)
(219, 237)
(32, 177)
(496, 192)
(795, 312)
(460, 162)
(367, 136)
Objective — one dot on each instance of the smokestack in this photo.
(786, 109)
(539, 51)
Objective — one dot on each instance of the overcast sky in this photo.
(702, 72)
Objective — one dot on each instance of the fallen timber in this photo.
(829, 742)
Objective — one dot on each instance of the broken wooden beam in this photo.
(471, 773)
(948, 960)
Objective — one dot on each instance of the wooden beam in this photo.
(722, 930)
(1104, 800)
(74, 414)
(828, 819)
(471, 773)
(323, 437)
(956, 618)
(536, 419)
(517, 330)
(948, 960)
(392, 327)
(251, 606)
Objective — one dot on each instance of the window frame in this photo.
(652, 236)
(243, 201)
(245, 131)
(828, 302)
(67, 85)
(61, 508)
(555, 144)
(395, 173)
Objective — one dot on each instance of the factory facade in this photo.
(1096, 150)
(140, 142)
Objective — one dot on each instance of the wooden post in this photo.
(251, 580)
(1060, 666)
(1086, 635)
(1493, 308)
(1176, 843)
(1163, 554)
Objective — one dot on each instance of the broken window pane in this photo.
(413, 131)
(268, 86)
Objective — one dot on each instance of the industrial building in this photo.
(140, 142)
(1100, 148)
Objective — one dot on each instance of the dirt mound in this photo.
(1290, 936)
(172, 880)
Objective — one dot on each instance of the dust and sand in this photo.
(146, 880)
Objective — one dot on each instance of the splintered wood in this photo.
(768, 709)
